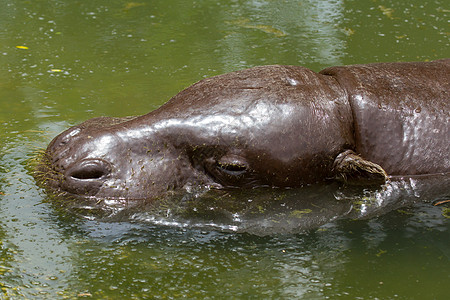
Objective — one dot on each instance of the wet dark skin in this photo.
(281, 126)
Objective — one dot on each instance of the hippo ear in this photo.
(353, 169)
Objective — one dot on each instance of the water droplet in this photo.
(292, 81)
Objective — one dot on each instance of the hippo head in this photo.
(279, 126)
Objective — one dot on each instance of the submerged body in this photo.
(282, 126)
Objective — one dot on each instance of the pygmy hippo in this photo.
(279, 126)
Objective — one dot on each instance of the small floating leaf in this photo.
(381, 252)
(22, 47)
(56, 70)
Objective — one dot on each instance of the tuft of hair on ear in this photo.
(352, 169)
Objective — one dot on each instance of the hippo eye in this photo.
(233, 169)
(232, 165)
(229, 170)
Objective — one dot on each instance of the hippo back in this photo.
(401, 114)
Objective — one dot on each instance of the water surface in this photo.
(62, 62)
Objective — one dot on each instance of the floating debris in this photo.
(441, 202)
(300, 213)
(244, 23)
(381, 252)
(84, 295)
(446, 213)
(348, 31)
(387, 11)
(131, 5)
(22, 47)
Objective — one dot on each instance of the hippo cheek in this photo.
(86, 177)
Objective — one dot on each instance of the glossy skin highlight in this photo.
(280, 126)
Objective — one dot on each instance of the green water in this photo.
(80, 59)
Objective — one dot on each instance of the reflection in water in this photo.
(310, 27)
(265, 211)
(198, 260)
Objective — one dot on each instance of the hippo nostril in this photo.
(89, 169)
(88, 173)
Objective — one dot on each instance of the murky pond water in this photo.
(62, 62)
